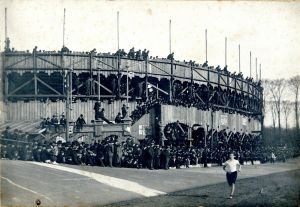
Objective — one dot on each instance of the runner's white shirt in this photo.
(231, 165)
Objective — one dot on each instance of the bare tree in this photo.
(286, 109)
(273, 111)
(266, 94)
(294, 85)
(277, 87)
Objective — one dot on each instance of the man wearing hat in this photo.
(63, 121)
(149, 156)
(165, 158)
(157, 153)
(109, 153)
(54, 121)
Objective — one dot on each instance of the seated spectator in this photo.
(63, 121)
(54, 122)
(171, 56)
(118, 118)
(101, 115)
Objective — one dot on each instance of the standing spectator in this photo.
(157, 153)
(97, 107)
(165, 158)
(149, 156)
(273, 158)
(204, 157)
(54, 122)
(124, 111)
(110, 154)
(80, 122)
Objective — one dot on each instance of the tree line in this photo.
(281, 102)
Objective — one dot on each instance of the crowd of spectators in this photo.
(202, 97)
(111, 152)
(54, 122)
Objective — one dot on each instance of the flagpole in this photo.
(239, 58)
(256, 78)
(206, 45)
(64, 27)
(225, 51)
(250, 66)
(259, 71)
(5, 24)
(170, 36)
(118, 32)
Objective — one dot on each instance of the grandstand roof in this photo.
(32, 127)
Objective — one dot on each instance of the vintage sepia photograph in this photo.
(166, 103)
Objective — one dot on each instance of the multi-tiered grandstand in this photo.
(159, 93)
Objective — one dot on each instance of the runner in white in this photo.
(231, 167)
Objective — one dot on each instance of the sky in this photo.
(269, 29)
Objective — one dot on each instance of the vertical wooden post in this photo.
(35, 73)
(248, 89)
(146, 78)
(91, 73)
(127, 87)
(192, 82)
(212, 128)
(5, 77)
(119, 75)
(171, 82)
(66, 93)
(99, 87)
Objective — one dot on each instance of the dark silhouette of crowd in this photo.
(111, 152)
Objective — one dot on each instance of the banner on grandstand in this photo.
(223, 120)
(143, 129)
(244, 121)
(71, 129)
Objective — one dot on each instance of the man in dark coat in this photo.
(54, 122)
(204, 157)
(97, 107)
(150, 156)
(37, 149)
(101, 115)
(118, 118)
(63, 121)
(109, 149)
(165, 158)
(80, 122)
(100, 154)
(157, 153)
(124, 111)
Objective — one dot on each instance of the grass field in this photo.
(278, 189)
